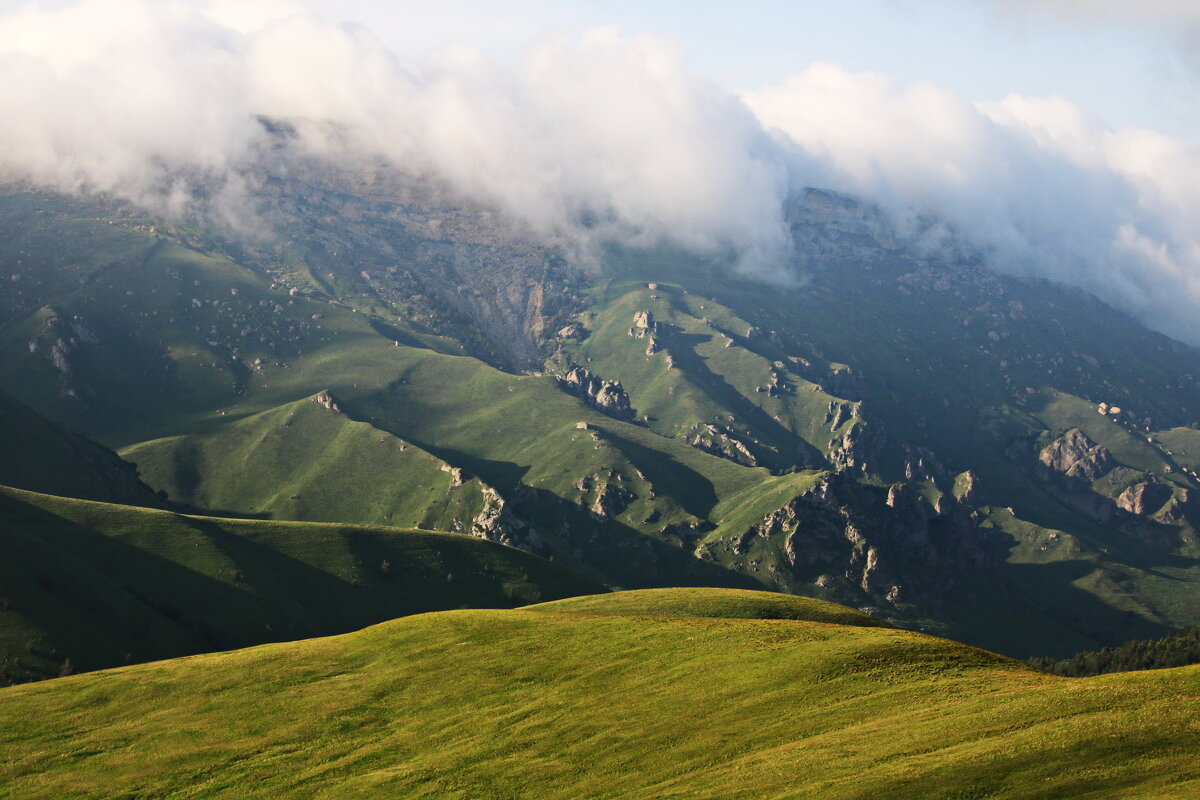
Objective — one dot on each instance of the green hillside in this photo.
(41, 456)
(525, 703)
(87, 585)
(894, 432)
(308, 461)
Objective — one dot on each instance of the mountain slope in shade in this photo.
(39, 455)
(908, 432)
(87, 585)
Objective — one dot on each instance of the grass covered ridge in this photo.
(523, 703)
(101, 585)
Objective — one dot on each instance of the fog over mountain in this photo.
(594, 135)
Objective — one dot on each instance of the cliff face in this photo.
(885, 548)
(608, 397)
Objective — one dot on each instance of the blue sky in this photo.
(1125, 62)
(1124, 68)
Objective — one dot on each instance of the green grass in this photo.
(102, 584)
(303, 461)
(712, 603)
(524, 703)
(41, 456)
(951, 363)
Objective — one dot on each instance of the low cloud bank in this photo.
(599, 135)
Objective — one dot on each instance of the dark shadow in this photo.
(694, 492)
(103, 600)
(682, 347)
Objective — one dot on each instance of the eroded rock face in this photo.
(875, 539)
(1182, 505)
(968, 490)
(643, 324)
(1076, 456)
(610, 501)
(497, 523)
(608, 397)
(718, 441)
(327, 400)
(856, 447)
(1144, 498)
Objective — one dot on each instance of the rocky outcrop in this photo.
(643, 325)
(718, 441)
(611, 497)
(1075, 456)
(876, 539)
(1183, 504)
(966, 488)
(497, 523)
(608, 397)
(856, 447)
(1142, 498)
(327, 400)
(847, 382)
(610, 501)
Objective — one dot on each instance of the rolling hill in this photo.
(85, 585)
(631, 695)
(990, 457)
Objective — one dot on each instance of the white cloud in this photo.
(1041, 187)
(144, 99)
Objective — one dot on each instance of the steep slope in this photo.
(87, 585)
(308, 461)
(41, 456)
(898, 431)
(565, 705)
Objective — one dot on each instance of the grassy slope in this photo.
(510, 704)
(711, 383)
(103, 584)
(176, 351)
(303, 461)
(41, 456)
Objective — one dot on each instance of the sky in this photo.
(1057, 138)
(1124, 67)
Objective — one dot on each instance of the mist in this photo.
(594, 135)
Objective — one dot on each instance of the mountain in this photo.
(86, 585)
(995, 458)
(673, 693)
(43, 457)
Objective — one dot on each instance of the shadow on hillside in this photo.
(682, 347)
(168, 585)
(1036, 592)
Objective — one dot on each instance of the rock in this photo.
(608, 397)
(720, 442)
(1144, 497)
(456, 476)
(966, 488)
(610, 501)
(324, 398)
(653, 347)
(497, 523)
(643, 320)
(1183, 505)
(1076, 456)
(872, 574)
(839, 414)
(859, 443)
